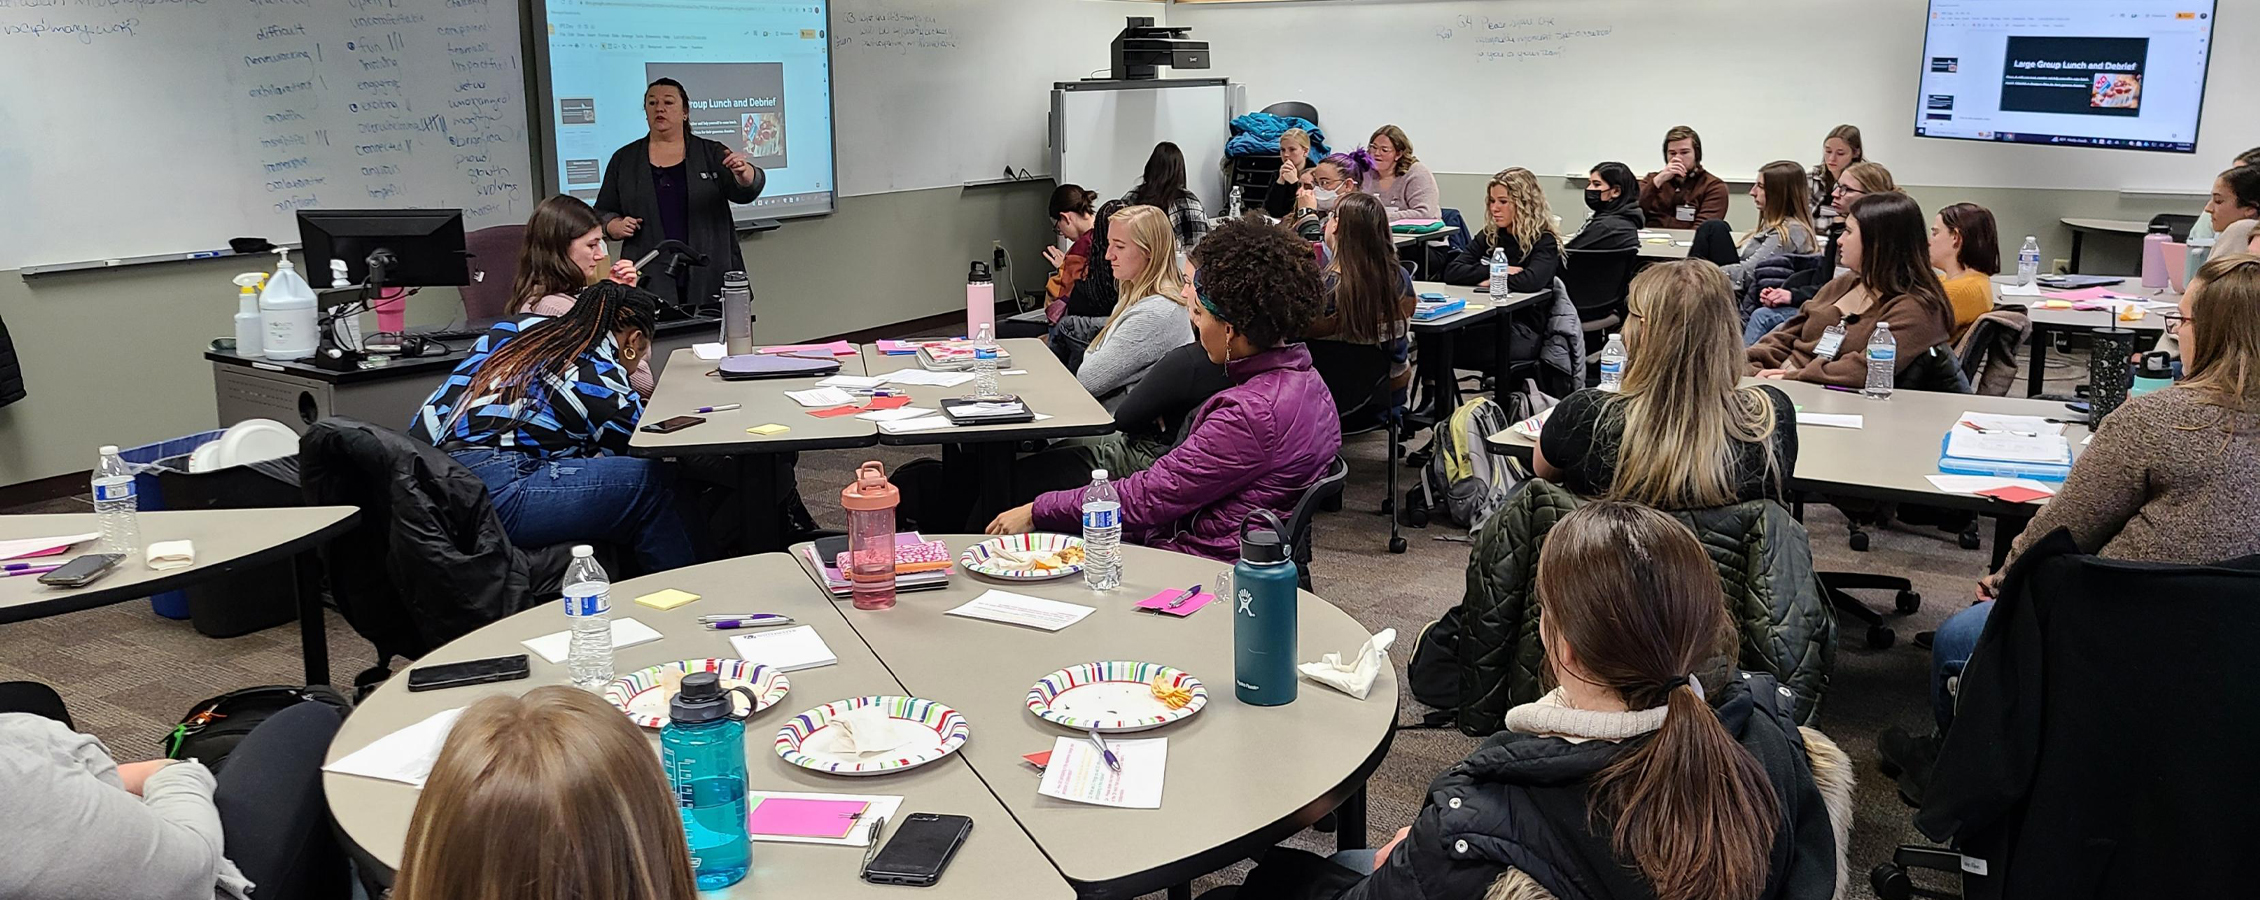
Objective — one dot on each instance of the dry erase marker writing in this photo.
(726, 407)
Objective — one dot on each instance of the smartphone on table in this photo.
(82, 571)
(919, 851)
(469, 672)
(673, 425)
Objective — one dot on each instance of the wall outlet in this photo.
(996, 256)
(2061, 267)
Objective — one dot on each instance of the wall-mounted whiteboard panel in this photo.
(937, 93)
(1107, 131)
(1557, 85)
(169, 126)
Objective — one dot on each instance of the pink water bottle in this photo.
(392, 310)
(870, 505)
(2154, 255)
(980, 301)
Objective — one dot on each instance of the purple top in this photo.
(672, 184)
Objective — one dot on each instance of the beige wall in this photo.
(117, 356)
(2018, 212)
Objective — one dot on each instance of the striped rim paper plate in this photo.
(644, 693)
(1112, 697)
(809, 741)
(1039, 556)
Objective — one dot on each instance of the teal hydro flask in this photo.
(702, 747)
(1263, 615)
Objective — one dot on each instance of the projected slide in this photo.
(758, 75)
(2125, 74)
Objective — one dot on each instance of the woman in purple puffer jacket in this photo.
(1258, 444)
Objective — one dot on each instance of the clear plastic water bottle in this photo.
(1883, 360)
(115, 505)
(984, 364)
(1239, 200)
(1102, 534)
(1499, 274)
(588, 603)
(1612, 364)
(2028, 261)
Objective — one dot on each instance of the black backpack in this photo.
(214, 726)
(1434, 671)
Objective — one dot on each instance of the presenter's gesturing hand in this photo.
(738, 166)
(622, 228)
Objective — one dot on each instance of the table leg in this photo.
(313, 631)
(1443, 378)
(2038, 371)
(760, 531)
(1349, 822)
(2005, 531)
(2077, 236)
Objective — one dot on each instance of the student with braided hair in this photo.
(542, 411)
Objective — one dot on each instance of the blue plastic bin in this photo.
(172, 454)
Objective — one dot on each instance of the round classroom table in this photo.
(1239, 778)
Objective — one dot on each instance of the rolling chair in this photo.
(1315, 498)
(2180, 223)
(1597, 282)
(494, 268)
(1358, 377)
(1295, 108)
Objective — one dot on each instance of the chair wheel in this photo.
(1891, 882)
(1388, 505)
(1907, 602)
(1416, 517)
(1968, 540)
(1880, 638)
(1859, 541)
(1397, 544)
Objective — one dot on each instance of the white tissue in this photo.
(172, 555)
(867, 731)
(1354, 678)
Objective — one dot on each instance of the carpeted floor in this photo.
(129, 675)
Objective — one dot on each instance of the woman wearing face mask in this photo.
(1520, 223)
(671, 185)
(1841, 148)
(1313, 203)
(1612, 192)
(563, 253)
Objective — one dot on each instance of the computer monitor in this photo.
(410, 247)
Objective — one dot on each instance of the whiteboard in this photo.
(937, 93)
(1558, 85)
(1105, 136)
(149, 127)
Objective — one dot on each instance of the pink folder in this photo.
(790, 817)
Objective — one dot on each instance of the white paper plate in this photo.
(1113, 697)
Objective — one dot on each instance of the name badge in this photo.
(1832, 340)
(1687, 214)
(706, 175)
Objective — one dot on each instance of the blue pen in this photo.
(726, 407)
(19, 566)
(756, 621)
(1112, 761)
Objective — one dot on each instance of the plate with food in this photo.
(1117, 696)
(644, 693)
(872, 735)
(1040, 556)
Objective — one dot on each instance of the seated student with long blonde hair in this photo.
(1888, 252)
(1149, 319)
(562, 254)
(1785, 224)
(1682, 434)
(1519, 221)
(546, 796)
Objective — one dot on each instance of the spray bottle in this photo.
(286, 311)
(348, 326)
(250, 335)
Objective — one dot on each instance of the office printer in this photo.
(1143, 47)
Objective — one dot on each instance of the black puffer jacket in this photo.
(11, 371)
(1520, 802)
(1765, 565)
(1615, 226)
(429, 561)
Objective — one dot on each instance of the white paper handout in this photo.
(17, 548)
(1832, 420)
(929, 379)
(853, 382)
(2021, 290)
(1021, 609)
(709, 352)
(786, 649)
(405, 756)
(1078, 772)
(625, 633)
(931, 422)
(821, 397)
(897, 414)
(2008, 439)
(2017, 424)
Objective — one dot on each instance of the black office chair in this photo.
(1295, 108)
(1597, 282)
(1358, 377)
(1307, 508)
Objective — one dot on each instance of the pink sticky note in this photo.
(896, 402)
(2093, 293)
(2014, 494)
(1039, 760)
(835, 411)
(1160, 602)
(794, 817)
(836, 348)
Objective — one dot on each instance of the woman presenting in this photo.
(672, 185)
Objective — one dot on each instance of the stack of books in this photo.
(920, 564)
(2007, 446)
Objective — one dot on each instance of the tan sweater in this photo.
(2168, 478)
(1916, 326)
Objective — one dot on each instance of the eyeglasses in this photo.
(2177, 320)
(1377, 148)
(1843, 191)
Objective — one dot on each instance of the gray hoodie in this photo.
(72, 830)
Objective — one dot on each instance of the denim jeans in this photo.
(1765, 319)
(620, 500)
(1950, 650)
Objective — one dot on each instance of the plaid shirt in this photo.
(1187, 217)
(582, 409)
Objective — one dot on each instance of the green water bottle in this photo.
(1263, 614)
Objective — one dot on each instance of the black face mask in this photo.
(1593, 200)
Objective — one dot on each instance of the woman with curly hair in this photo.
(1519, 222)
(1257, 444)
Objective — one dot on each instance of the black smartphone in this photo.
(673, 425)
(477, 671)
(82, 571)
(919, 851)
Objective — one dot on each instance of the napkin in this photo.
(867, 731)
(625, 633)
(1354, 678)
(405, 756)
(172, 555)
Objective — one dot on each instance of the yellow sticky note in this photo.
(769, 429)
(667, 599)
